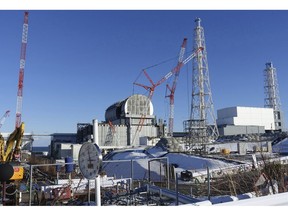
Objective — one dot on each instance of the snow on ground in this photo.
(129, 155)
(190, 162)
(269, 200)
(135, 163)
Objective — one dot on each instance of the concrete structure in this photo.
(230, 130)
(245, 120)
(60, 146)
(127, 123)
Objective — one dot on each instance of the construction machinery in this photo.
(172, 90)
(21, 71)
(175, 70)
(11, 151)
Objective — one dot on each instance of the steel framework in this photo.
(272, 99)
(201, 127)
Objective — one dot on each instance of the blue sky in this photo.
(79, 62)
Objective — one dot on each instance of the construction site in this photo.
(133, 158)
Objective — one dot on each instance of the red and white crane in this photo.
(153, 86)
(21, 71)
(173, 88)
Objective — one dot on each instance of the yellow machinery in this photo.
(10, 153)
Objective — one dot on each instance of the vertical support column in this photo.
(98, 191)
(208, 183)
(30, 187)
(89, 197)
(97, 179)
(177, 191)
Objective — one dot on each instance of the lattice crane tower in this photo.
(201, 126)
(272, 99)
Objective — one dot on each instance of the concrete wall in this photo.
(229, 130)
(246, 116)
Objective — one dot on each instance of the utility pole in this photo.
(201, 127)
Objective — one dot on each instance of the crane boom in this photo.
(2, 120)
(21, 71)
(163, 79)
(173, 88)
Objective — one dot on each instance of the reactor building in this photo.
(129, 122)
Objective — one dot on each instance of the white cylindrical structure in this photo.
(97, 191)
(95, 131)
(97, 180)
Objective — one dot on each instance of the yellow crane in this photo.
(11, 152)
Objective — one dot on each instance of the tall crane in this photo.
(153, 86)
(11, 153)
(3, 118)
(21, 71)
(173, 89)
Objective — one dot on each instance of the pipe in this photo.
(95, 131)
(97, 179)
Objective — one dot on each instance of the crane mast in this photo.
(173, 88)
(21, 71)
(153, 86)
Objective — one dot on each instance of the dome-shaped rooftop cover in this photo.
(135, 105)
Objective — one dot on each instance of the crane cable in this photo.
(160, 63)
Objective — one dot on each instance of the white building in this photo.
(245, 120)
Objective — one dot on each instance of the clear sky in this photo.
(79, 62)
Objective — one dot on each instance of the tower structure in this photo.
(201, 127)
(272, 99)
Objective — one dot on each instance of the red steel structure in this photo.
(173, 89)
(175, 70)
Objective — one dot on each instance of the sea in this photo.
(40, 148)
